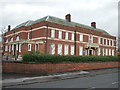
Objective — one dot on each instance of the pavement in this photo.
(10, 79)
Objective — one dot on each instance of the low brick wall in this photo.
(52, 68)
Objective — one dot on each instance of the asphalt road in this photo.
(98, 81)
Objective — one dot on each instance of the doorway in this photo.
(14, 51)
(90, 52)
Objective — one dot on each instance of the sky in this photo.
(103, 12)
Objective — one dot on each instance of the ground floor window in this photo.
(103, 52)
(106, 52)
(113, 52)
(36, 47)
(60, 49)
(66, 50)
(80, 50)
(20, 47)
(52, 49)
(98, 51)
(6, 48)
(29, 47)
(109, 51)
(72, 49)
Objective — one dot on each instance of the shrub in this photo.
(45, 58)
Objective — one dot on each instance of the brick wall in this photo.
(52, 68)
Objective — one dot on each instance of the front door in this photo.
(90, 52)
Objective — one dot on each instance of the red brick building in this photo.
(52, 35)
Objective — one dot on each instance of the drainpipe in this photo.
(46, 44)
(75, 38)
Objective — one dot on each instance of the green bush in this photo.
(45, 58)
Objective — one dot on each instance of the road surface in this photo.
(98, 81)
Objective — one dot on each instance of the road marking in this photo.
(114, 82)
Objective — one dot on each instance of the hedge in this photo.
(45, 58)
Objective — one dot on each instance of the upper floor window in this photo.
(11, 40)
(107, 42)
(99, 39)
(72, 36)
(112, 42)
(91, 39)
(6, 40)
(103, 41)
(81, 37)
(17, 38)
(60, 35)
(66, 35)
(6, 48)
(28, 35)
(52, 33)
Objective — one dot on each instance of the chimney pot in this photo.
(93, 24)
(9, 27)
(68, 17)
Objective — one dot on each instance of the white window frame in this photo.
(12, 47)
(106, 41)
(6, 48)
(20, 47)
(17, 38)
(103, 51)
(52, 33)
(72, 49)
(60, 49)
(66, 49)
(113, 52)
(112, 42)
(66, 35)
(90, 38)
(9, 48)
(28, 35)
(109, 42)
(60, 34)
(72, 36)
(109, 52)
(99, 49)
(106, 52)
(6, 40)
(52, 48)
(16, 46)
(99, 40)
(81, 37)
(11, 40)
(29, 49)
(35, 47)
(102, 41)
(80, 50)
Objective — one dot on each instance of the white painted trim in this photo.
(26, 31)
(55, 29)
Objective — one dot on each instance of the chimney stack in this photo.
(93, 24)
(9, 27)
(68, 17)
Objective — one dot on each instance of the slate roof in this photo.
(59, 21)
